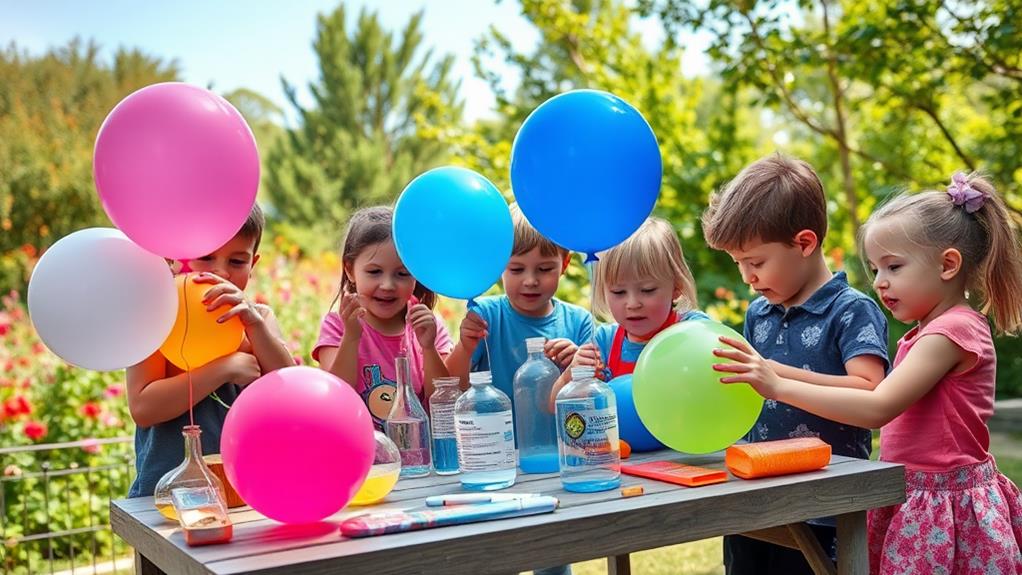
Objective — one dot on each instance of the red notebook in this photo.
(681, 474)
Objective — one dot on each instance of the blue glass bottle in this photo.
(587, 434)
(441, 419)
(535, 424)
(486, 436)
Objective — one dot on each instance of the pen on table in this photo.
(470, 498)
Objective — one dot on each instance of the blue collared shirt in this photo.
(836, 324)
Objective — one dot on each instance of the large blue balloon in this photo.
(586, 170)
(453, 231)
(631, 427)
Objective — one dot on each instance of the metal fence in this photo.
(54, 507)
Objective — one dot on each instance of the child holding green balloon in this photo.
(808, 322)
(646, 286)
(927, 252)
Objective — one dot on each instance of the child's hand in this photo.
(351, 312)
(749, 366)
(560, 351)
(224, 293)
(423, 323)
(588, 356)
(242, 368)
(473, 329)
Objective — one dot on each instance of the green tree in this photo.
(51, 107)
(376, 107)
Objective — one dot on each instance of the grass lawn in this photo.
(704, 557)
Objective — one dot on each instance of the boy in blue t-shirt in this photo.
(527, 309)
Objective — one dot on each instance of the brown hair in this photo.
(528, 239)
(771, 200)
(253, 227)
(991, 254)
(369, 227)
(653, 251)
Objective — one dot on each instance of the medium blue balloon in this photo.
(586, 170)
(631, 428)
(453, 231)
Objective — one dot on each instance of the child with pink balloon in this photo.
(808, 322)
(646, 286)
(159, 398)
(383, 312)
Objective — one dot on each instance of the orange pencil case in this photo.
(769, 458)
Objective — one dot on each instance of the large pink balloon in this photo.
(177, 169)
(297, 444)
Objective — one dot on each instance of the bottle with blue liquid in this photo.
(441, 418)
(486, 436)
(407, 425)
(535, 424)
(587, 434)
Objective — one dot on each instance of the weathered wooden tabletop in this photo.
(586, 526)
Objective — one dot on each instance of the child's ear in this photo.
(806, 242)
(349, 273)
(950, 264)
(255, 260)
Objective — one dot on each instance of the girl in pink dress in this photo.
(932, 254)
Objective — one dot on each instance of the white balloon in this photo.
(100, 301)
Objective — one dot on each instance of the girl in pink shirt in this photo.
(383, 313)
(931, 253)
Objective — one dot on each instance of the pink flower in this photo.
(90, 445)
(38, 347)
(114, 390)
(112, 420)
(35, 430)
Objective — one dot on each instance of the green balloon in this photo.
(679, 396)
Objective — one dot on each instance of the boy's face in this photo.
(530, 281)
(233, 261)
(777, 271)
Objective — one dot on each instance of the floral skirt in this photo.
(964, 521)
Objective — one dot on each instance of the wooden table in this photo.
(586, 526)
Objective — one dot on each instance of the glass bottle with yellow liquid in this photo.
(192, 473)
(383, 475)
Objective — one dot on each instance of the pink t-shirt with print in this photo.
(376, 353)
(947, 427)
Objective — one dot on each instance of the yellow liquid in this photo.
(167, 510)
(378, 484)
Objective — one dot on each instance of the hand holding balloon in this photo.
(749, 367)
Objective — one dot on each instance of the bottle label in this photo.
(486, 441)
(442, 420)
(588, 432)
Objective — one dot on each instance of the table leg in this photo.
(852, 547)
(144, 566)
(619, 565)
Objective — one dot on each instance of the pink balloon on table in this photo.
(297, 444)
(177, 169)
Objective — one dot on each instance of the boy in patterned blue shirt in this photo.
(808, 322)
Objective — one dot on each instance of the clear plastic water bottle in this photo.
(535, 424)
(486, 436)
(441, 419)
(408, 426)
(587, 433)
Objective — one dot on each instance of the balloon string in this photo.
(590, 265)
(184, 359)
(486, 344)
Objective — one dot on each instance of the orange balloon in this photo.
(196, 336)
